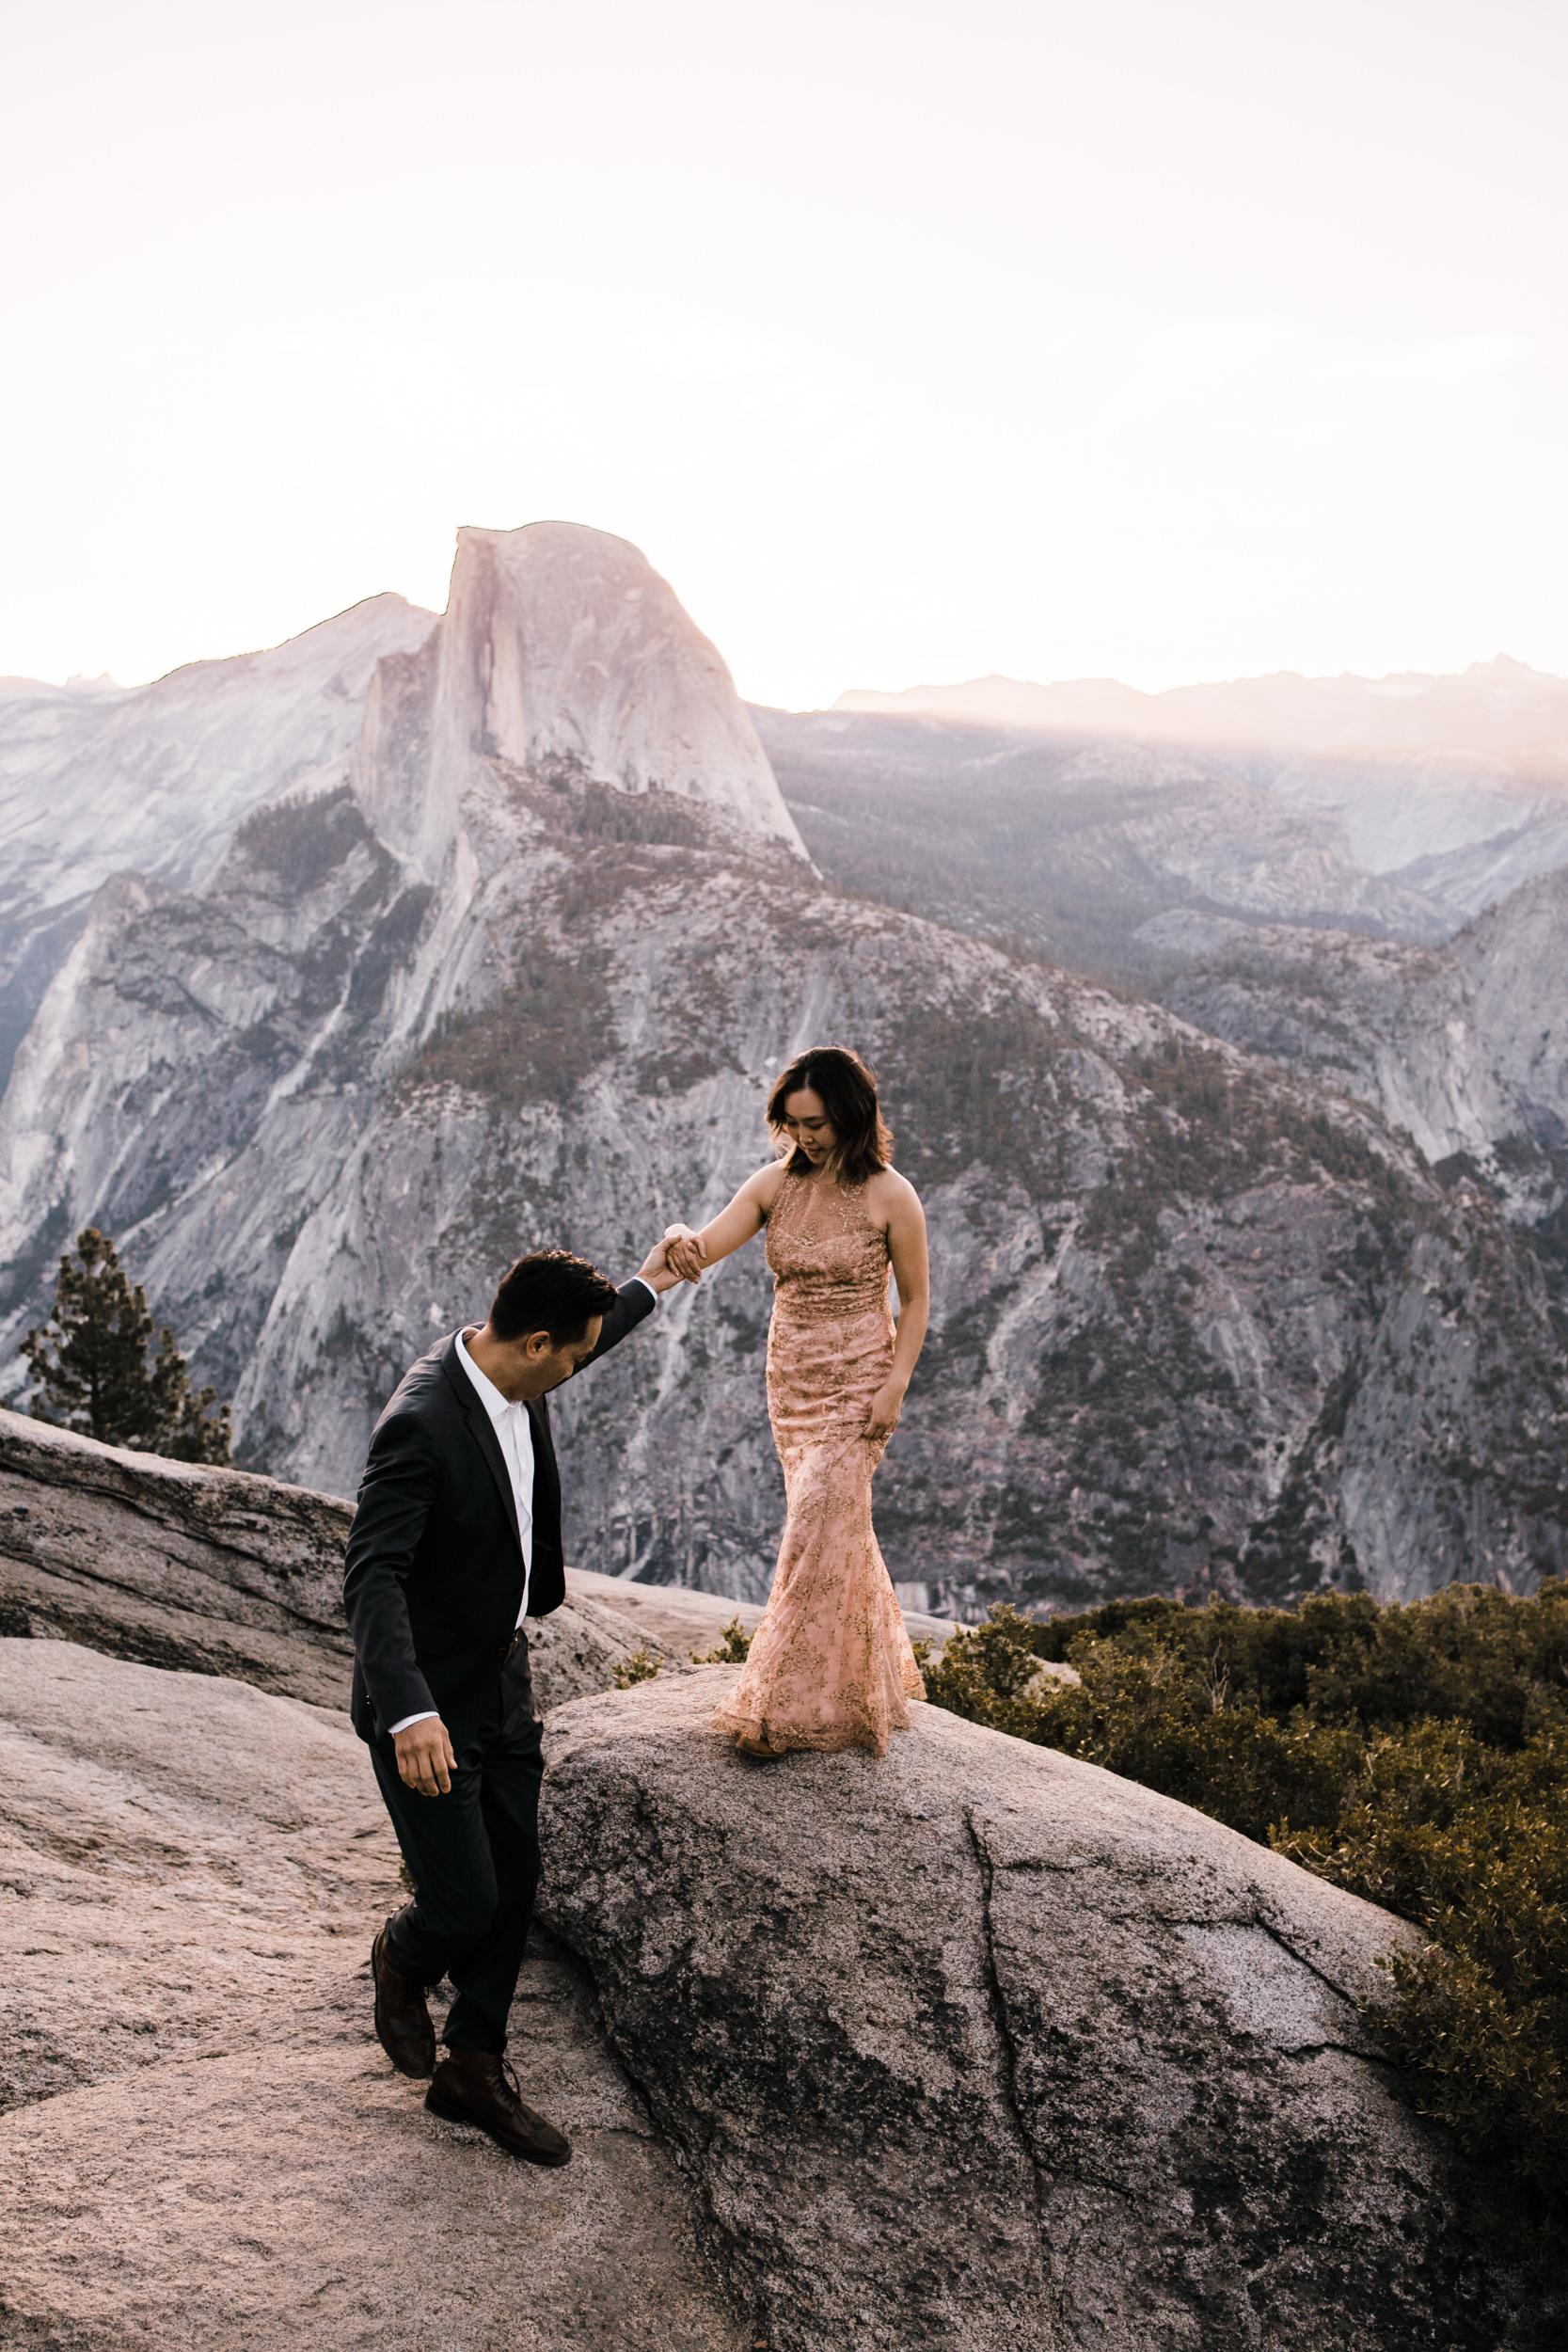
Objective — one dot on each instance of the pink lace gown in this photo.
(829, 1664)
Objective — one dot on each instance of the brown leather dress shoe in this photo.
(478, 2087)
(402, 2025)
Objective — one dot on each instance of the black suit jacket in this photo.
(433, 1576)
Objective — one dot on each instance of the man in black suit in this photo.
(456, 1538)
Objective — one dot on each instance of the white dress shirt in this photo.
(514, 1435)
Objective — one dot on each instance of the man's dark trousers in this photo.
(473, 1857)
(435, 1581)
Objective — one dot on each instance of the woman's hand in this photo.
(683, 1252)
(882, 1420)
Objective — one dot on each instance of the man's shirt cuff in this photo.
(648, 1286)
(425, 1715)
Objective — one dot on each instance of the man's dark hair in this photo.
(550, 1291)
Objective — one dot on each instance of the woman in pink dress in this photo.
(829, 1664)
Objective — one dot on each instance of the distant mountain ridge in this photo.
(1454, 787)
(1497, 705)
(1070, 842)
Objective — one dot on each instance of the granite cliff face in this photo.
(1463, 1047)
(561, 652)
(96, 780)
(1393, 1023)
(1198, 1322)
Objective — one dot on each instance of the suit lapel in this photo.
(546, 1477)
(482, 1430)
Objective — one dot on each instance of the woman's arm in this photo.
(912, 1271)
(688, 1252)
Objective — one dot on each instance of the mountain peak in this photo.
(562, 644)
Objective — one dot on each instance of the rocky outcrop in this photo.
(982, 2046)
(210, 1570)
(219, 1572)
(977, 2047)
(678, 1618)
(200, 2143)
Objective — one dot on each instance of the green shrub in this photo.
(1416, 1755)
(733, 1645)
(641, 1666)
(987, 1675)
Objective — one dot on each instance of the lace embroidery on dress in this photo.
(831, 1664)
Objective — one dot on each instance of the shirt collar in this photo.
(497, 1406)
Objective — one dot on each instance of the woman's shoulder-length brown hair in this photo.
(861, 1141)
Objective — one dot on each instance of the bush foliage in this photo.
(1416, 1755)
(734, 1647)
(641, 1666)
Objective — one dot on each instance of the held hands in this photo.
(425, 1760)
(659, 1270)
(683, 1250)
(886, 1405)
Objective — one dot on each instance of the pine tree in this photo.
(89, 1362)
(96, 1380)
(186, 1432)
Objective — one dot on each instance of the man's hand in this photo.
(425, 1760)
(656, 1271)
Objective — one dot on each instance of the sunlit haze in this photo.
(908, 342)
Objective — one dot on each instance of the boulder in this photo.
(983, 2047)
(200, 2143)
(218, 1571)
(215, 1571)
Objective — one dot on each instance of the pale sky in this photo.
(910, 341)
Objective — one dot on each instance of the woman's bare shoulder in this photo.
(764, 1185)
(887, 1191)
